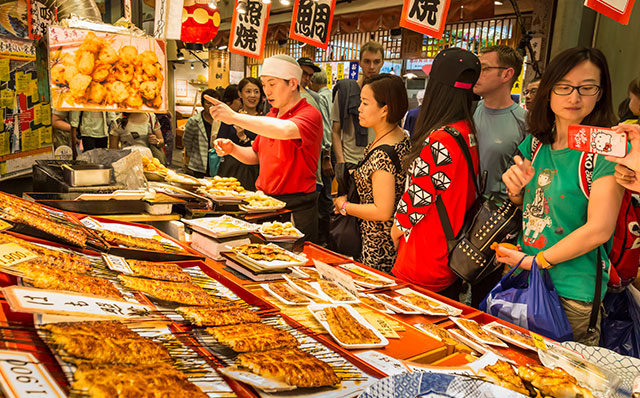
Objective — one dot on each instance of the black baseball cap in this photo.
(450, 65)
(304, 61)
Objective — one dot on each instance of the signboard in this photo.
(249, 30)
(39, 17)
(619, 10)
(425, 16)
(40, 301)
(354, 70)
(114, 84)
(311, 22)
(21, 375)
(165, 11)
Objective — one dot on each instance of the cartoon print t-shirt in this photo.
(554, 206)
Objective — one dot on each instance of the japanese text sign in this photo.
(311, 21)
(26, 299)
(249, 30)
(619, 10)
(12, 254)
(425, 16)
(39, 17)
(339, 277)
(21, 375)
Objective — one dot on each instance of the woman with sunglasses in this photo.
(565, 223)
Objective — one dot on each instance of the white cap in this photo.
(283, 67)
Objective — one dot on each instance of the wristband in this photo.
(343, 209)
(544, 264)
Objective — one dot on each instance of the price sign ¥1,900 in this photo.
(22, 376)
(12, 254)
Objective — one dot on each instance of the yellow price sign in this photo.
(12, 254)
(45, 114)
(329, 76)
(37, 114)
(4, 69)
(340, 73)
(254, 71)
(6, 98)
(538, 341)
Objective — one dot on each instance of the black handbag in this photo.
(344, 231)
(487, 221)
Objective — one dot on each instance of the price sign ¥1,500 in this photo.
(22, 376)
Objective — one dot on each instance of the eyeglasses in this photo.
(486, 68)
(588, 90)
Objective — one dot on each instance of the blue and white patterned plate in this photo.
(435, 385)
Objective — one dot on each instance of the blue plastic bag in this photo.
(620, 328)
(530, 300)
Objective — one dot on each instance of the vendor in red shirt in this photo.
(438, 170)
(288, 143)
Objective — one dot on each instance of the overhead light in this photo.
(222, 47)
(410, 75)
(285, 2)
(213, 4)
(266, 1)
(498, 3)
(242, 7)
(180, 55)
(192, 66)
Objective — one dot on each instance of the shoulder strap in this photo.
(388, 149)
(595, 307)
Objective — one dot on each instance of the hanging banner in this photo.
(39, 17)
(311, 22)
(354, 70)
(619, 10)
(425, 16)
(249, 30)
(168, 10)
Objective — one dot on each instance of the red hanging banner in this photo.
(249, 29)
(425, 16)
(619, 10)
(311, 22)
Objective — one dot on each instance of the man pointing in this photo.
(288, 143)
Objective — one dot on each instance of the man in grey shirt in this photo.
(500, 122)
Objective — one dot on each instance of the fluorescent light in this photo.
(410, 75)
(222, 47)
(266, 1)
(498, 3)
(285, 2)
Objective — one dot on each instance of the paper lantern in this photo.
(200, 23)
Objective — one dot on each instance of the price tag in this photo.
(91, 223)
(118, 264)
(382, 325)
(4, 70)
(538, 341)
(40, 301)
(4, 225)
(383, 362)
(12, 254)
(23, 376)
(339, 277)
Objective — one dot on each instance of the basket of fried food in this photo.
(259, 202)
(280, 232)
(153, 169)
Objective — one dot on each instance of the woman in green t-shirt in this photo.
(566, 217)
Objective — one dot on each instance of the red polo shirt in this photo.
(289, 166)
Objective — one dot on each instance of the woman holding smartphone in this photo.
(567, 218)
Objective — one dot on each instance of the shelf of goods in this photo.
(116, 302)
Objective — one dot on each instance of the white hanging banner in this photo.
(249, 30)
(168, 13)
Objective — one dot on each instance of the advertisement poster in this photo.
(14, 18)
(106, 72)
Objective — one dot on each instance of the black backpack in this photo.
(487, 221)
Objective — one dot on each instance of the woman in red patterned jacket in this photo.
(437, 168)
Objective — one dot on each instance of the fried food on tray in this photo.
(162, 271)
(372, 303)
(224, 185)
(99, 329)
(389, 300)
(513, 334)
(311, 272)
(304, 286)
(334, 291)
(178, 292)
(474, 329)
(370, 281)
(220, 315)
(347, 329)
(262, 252)
(553, 382)
(502, 374)
(260, 200)
(249, 337)
(117, 238)
(114, 381)
(55, 258)
(294, 367)
(154, 165)
(285, 291)
(279, 229)
(424, 303)
(46, 277)
(435, 330)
